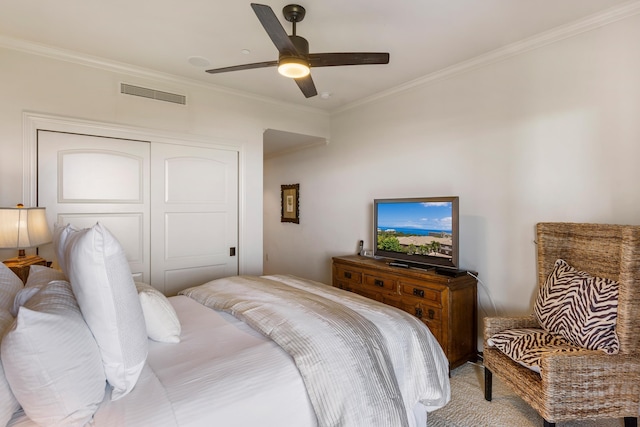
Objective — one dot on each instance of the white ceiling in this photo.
(422, 37)
(170, 36)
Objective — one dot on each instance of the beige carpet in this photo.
(468, 408)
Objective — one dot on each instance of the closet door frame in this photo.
(32, 122)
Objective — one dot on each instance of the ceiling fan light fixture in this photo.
(293, 67)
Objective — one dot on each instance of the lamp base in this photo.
(20, 265)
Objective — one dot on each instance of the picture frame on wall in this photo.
(290, 203)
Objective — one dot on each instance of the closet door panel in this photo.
(174, 208)
(194, 215)
(83, 179)
(93, 176)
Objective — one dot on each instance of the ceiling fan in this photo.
(294, 59)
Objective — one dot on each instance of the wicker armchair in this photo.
(586, 384)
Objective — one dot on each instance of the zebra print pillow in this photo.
(526, 346)
(581, 308)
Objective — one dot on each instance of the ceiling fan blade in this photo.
(307, 86)
(347, 58)
(274, 28)
(243, 67)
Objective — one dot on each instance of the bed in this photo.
(240, 351)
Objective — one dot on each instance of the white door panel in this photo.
(84, 179)
(87, 176)
(194, 215)
(174, 208)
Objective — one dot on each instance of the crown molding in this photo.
(557, 34)
(563, 32)
(138, 72)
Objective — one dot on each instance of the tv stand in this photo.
(398, 264)
(444, 301)
(451, 272)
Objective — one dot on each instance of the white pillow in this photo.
(60, 235)
(39, 277)
(10, 285)
(102, 282)
(159, 315)
(52, 361)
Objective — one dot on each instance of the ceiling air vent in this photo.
(152, 94)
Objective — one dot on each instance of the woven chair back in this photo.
(603, 250)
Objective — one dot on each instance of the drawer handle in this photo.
(418, 312)
(418, 292)
(432, 314)
(347, 275)
(379, 282)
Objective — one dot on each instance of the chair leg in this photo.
(488, 382)
(548, 424)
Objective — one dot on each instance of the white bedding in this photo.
(222, 373)
(364, 363)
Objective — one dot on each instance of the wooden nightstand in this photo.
(21, 266)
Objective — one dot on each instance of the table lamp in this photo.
(22, 228)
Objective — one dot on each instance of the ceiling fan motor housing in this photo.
(301, 44)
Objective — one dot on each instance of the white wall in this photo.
(552, 134)
(46, 85)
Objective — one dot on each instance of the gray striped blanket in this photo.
(363, 363)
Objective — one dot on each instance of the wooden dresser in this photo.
(447, 305)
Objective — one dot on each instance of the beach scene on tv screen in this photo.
(421, 228)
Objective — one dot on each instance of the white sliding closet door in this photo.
(83, 179)
(174, 208)
(194, 215)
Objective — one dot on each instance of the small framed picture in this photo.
(290, 205)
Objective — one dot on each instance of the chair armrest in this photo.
(591, 370)
(493, 325)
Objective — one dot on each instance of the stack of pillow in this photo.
(51, 360)
(68, 337)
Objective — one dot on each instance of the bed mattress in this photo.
(222, 373)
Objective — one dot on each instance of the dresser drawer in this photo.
(380, 282)
(423, 311)
(392, 300)
(348, 275)
(369, 293)
(343, 285)
(420, 292)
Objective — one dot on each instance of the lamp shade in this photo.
(22, 228)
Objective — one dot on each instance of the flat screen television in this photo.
(417, 232)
